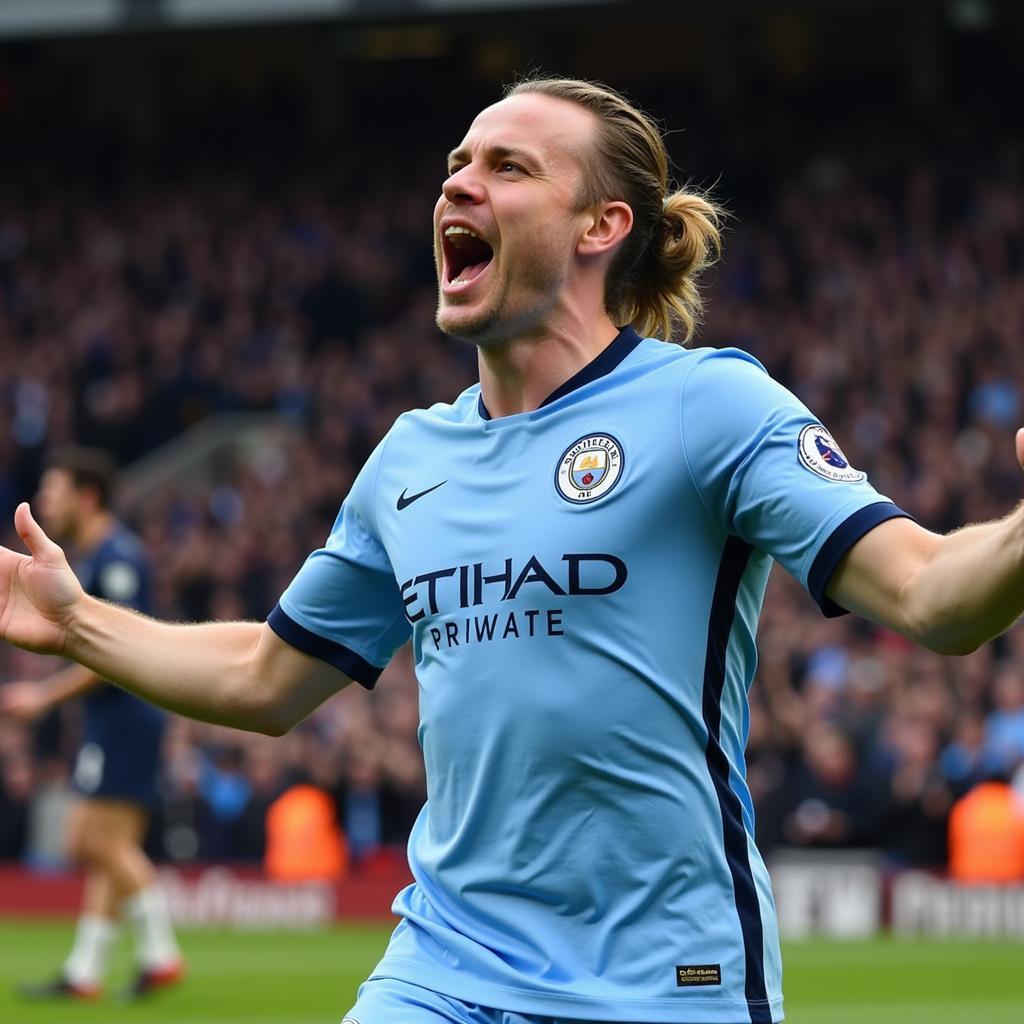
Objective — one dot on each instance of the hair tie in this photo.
(672, 225)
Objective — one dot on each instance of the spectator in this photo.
(986, 835)
(963, 762)
(834, 802)
(304, 842)
(917, 798)
(1004, 728)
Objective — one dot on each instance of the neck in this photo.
(93, 530)
(519, 374)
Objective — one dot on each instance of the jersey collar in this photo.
(624, 342)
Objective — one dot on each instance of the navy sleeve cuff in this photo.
(317, 646)
(843, 537)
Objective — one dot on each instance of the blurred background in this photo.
(215, 262)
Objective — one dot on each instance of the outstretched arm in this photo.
(950, 594)
(232, 673)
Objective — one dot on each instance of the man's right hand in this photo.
(39, 594)
(240, 674)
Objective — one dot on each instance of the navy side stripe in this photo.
(723, 613)
(317, 646)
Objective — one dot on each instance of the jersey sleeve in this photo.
(344, 605)
(771, 474)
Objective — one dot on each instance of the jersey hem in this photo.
(341, 657)
(458, 985)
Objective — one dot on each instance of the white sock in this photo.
(154, 937)
(87, 962)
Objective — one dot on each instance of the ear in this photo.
(606, 226)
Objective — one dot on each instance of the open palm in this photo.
(38, 591)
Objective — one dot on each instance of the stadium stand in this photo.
(879, 275)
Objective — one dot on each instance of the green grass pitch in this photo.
(311, 977)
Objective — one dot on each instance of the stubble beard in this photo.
(508, 316)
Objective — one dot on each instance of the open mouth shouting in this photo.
(466, 257)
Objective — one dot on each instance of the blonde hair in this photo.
(652, 282)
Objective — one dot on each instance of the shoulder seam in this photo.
(750, 361)
(682, 436)
(385, 443)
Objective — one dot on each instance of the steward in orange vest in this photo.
(986, 835)
(304, 841)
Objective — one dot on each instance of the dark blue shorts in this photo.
(120, 752)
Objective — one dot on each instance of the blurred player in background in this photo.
(579, 548)
(116, 767)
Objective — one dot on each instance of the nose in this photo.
(463, 186)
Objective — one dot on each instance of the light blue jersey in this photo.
(582, 585)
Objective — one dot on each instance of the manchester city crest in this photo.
(589, 468)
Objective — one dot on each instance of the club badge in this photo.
(589, 468)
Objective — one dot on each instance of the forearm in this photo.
(970, 590)
(202, 671)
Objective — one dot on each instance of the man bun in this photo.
(665, 297)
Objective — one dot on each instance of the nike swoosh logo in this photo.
(405, 502)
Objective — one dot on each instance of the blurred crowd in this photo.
(891, 300)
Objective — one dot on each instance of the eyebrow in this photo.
(497, 152)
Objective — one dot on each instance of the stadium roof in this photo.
(39, 18)
(27, 18)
